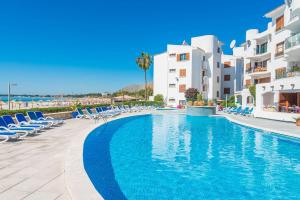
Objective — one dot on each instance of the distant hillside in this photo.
(135, 87)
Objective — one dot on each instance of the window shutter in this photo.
(182, 88)
(279, 23)
(178, 57)
(182, 73)
(227, 64)
(187, 56)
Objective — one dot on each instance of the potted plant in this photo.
(191, 94)
(210, 103)
(297, 119)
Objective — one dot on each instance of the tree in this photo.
(144, 61)
(159, 98)
(252, 90)
(191, 94)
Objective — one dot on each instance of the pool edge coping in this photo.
(77, 181)
(270, 131)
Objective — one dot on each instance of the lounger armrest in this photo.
(12, 126)
(41, 118)
(49, 118)
(23, 123)
(4, 128)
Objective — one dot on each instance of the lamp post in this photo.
(10, 85)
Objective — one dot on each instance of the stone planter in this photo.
(201, 110)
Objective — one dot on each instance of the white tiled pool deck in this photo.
(49, 165)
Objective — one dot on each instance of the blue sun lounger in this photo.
(40, 116)
(11, 123)
(23, 121)
(33, 118)
(90, 114)
(22, 130)
(7, 135)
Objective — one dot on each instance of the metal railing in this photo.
(287, 74)
(292, 41)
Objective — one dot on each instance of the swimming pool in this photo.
(184, 157)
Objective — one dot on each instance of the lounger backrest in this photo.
(79, 110)
(8, 119)
(89, 111)
(2, 122)
(32, 115)
(20, 117)
(39, 114)
(98, 109)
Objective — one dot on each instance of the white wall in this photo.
(210, 44)
(160, 75)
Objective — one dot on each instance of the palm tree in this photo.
(144, 61)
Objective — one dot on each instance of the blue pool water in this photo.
(184, 157)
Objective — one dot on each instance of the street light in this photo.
(9, 91)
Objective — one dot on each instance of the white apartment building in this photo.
(272, 60)
(188, 66)
(232, 76)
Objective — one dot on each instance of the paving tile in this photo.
(13, 195)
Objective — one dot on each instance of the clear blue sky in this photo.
(72, 46)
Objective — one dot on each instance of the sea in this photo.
(28, 99)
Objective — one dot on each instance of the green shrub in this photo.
(252, 90)
(159, 98)
(73, 108)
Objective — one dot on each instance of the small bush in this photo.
(159, 98)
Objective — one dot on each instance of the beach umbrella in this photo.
(2, 103)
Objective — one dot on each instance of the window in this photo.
(280, 73)
(182, 88)
(204, 58)
(172, 70)
(226, 77)
(219, 50)
(260, 66)
(172, 54)
(227, 64)
(261, 49)
(279, 49)
(218, 65)
(218, 79)
(172, 85)
(248, 68)
(182, 73)
(280, 23)
(203, 88)
(183, 56)
(226, 90)
(218, 94)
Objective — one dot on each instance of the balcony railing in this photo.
(287, 74)
(256, 69)
(292, 41)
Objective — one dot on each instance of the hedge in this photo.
(73, 108)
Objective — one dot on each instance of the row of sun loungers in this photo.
(239, 110)
(22, 126)
(105, 112)
(35, 122)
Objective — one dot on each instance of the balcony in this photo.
(292, 48)
(260, 53)
(294, 23)
(296, 7)
(284, 74)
